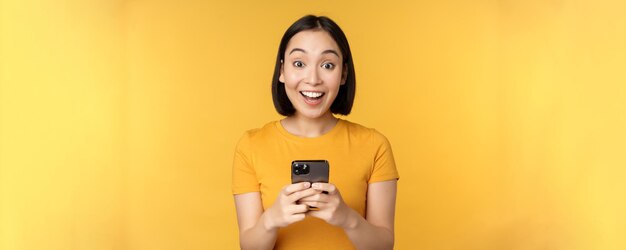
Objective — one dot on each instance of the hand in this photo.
(285, 209)
(332, 208)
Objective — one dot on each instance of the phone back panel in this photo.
(318, 171)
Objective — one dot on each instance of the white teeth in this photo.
(312, 94)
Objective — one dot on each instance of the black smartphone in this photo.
(309, 171)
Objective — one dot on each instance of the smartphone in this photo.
(309, 171)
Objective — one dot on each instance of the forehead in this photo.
(313, 41)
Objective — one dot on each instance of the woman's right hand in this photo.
(285, 209)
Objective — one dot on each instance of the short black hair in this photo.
(345, 98)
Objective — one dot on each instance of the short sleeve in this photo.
(244, 176)
(384, 168)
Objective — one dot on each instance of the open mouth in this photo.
(311, 95)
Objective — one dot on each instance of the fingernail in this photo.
(307, 184)
(315, 185)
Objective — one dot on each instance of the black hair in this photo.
(345, 98)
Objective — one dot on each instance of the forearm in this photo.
(364, 235)
(260, 236)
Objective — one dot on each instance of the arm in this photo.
(376, 231)
(252, 231)
(258, 229)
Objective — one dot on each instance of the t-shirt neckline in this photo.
(322, 138)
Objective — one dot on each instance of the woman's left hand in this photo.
(331, 207)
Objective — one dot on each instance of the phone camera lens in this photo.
(300, 169)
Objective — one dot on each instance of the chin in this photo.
(312, 114)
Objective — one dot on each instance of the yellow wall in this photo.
(118, 118)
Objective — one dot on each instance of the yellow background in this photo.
(119, 118)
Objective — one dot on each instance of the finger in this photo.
(298, 217)
(316, 204)
(301, 194)
(315, 197)
(329, 188)
(315, 213)
(298, 209)
(314, 208)
(290, 189)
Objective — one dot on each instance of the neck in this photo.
(309, 127)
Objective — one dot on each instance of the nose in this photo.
(313, 77)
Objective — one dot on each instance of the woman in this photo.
(314, 79)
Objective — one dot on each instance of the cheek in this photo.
(333, 80)
(293, 77)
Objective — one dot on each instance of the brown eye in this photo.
(298, 64)
(328, 66)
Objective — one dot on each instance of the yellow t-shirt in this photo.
(356, 155)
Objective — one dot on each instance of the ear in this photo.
(344, 74)
(281, 77)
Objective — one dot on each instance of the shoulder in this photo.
(365, 134)
(257, 135)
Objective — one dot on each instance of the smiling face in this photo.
(312, 72)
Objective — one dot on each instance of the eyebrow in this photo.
(297, 49)
(331, 51)
(328, 51)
